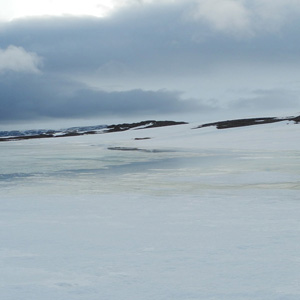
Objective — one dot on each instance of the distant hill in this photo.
(101, 129)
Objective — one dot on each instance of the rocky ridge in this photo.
(100, 129)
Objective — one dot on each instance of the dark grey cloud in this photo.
(30, 97)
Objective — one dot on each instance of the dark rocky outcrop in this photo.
(143, 138)
(143, 124)
(138, 149)
(77, 131)
(26, 137)
(41, 136)
(248, 122)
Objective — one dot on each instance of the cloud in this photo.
(224, 15)
(270, 100)
(150, 39)
(246, 18)
(130, 63)
(40, 97)
(17, 59)
(273, 15)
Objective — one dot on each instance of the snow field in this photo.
(210, 214)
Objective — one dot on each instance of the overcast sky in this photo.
(95, 61)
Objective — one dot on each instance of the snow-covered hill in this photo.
(183, 132)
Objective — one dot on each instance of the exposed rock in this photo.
(144, 138)
(26, 137)
(143, 125)
(138, 149)
(248, 122)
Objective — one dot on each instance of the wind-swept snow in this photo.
(183, 214)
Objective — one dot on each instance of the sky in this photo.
(104, 61)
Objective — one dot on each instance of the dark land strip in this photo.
(153, 124)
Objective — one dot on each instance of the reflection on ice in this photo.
(81, 168)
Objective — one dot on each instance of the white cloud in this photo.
(13, 9)
(17, 59)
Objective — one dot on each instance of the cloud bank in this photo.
(152, 58)
(38, 97)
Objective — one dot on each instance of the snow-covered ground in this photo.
(187, 214)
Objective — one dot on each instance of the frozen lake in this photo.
(82, 219)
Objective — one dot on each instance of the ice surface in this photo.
(202, 214)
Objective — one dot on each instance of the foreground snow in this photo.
(187, 214)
